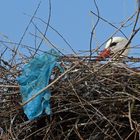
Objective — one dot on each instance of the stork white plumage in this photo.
(114, 46)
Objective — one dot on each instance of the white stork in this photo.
(114, 47)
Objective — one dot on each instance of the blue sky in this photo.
(72, 18)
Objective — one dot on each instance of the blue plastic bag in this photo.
(35, 76)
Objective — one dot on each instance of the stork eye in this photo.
(113, 44)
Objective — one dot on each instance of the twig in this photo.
(26, 29)
(94, 27)
(45, 38)
(129, 115)
(44, 34)
(64, 39)
(109, 23)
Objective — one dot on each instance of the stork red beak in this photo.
(104, 54)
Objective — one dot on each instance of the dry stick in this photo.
(136, 21)
(93, 29)
(90, 74)
(101, 115)
(56, 31)
(134, 32)
(35, 132)
(44, 37)
(129, 135)
(21, 56)
(58, 34)
(106, 21)
(129, 116)
(134, 97)
(26, 29)
(118, 29)
(15, 43)
(9, 86)
(48, 43)
(46, 29)
(82, 105)
(12, 134)
(42, 90)
(76, 130)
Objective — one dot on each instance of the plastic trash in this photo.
(35, 76)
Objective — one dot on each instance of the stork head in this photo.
(113, 46)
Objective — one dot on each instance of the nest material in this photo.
(91, 102)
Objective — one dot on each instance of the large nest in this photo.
(92, 101)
